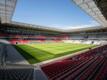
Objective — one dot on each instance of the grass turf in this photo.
(35, 53)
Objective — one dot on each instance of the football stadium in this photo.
(37, 52)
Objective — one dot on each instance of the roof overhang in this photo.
(56, 29)
(94, 8)
(102, 5)
(86, 29)
(7, 8)
(37, 26)
(91, 7)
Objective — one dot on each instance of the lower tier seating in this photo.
(91, 65)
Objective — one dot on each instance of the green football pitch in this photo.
(35, 53)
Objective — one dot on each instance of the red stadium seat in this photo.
(88, 65)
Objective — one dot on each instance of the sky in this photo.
(64, 14)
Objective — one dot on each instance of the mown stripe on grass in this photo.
(70, 52)
(26, 55)
(41, 54)
(38, 54)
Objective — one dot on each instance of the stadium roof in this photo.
(102, 4)
(87, 29)
(36, 26)
(56, 29)
(95, 8)
(6, 10)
